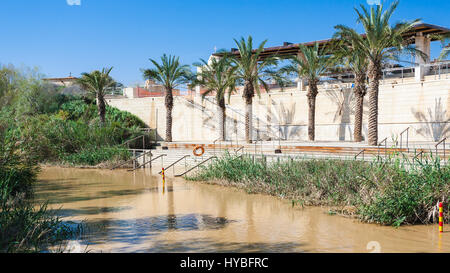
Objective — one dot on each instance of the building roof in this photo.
(60, 79)
(289, 49)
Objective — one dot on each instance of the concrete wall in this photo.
(424, 106)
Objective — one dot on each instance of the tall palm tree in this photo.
(381, 41)
(171, 74)
(352, 57)
(253, 70)
(311, 65)
(218, 76)
(445, 43)
(98, 82)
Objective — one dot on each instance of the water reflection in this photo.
(128, 212)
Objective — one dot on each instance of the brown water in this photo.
(130, 212)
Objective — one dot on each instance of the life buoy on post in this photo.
(196, 151)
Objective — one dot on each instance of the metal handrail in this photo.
(361, 152)
(173, 164)
(239, 149)
(439, 143)
(214, 143)
(151, 160)
(417, 155)
(407, 138)
(128, 141)
(132, 159)
(196, 166)
(385, 146)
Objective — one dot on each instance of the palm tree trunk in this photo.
(360, 92)
(169, 108)
(221, 115)
(374, 73)
(101, 107)
(249, 92)
(312, 94)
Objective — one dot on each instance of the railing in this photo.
(360, 153)
(385, 147)
(419, 154)
(443, 146)
(196, 166)
(440, 70)
(239, 149)
(214, 143)
(132, 159)
(174, 163)
(148, 162)
(127, 143)
(407, 138)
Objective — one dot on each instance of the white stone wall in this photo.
(418, 105)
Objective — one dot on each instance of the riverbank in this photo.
(374, 192)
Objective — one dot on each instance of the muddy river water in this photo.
(132, 212)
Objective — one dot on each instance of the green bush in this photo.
(95, 156)
(22, 227)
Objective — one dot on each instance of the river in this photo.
(132, 212)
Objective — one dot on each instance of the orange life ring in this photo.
(199, 148)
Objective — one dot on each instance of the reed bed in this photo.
(393, 191)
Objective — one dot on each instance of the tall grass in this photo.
(390, 193)
(23, 228)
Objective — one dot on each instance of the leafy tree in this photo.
(218, 76)
(254, 70)
(313, 62)
(171, 74)
(97, 83)
(348, 54)
(381, 42)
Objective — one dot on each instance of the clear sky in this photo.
(75, 36)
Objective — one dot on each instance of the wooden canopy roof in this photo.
(289, 49)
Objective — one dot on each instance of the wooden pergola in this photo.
(289, 49)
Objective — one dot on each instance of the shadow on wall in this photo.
(284, 117)
(435, 125)
(345, 102)
(208, 115)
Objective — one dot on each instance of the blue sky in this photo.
(60, 38)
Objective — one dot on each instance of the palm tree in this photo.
(171, 74)
(445, 43)
(98, 82)
(380, 42)
(218, 76)
(352, 57)
(253, 70)
(311, 65)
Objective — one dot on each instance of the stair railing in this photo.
(132, 159)
(443, 146)
(239, 149)
(196, 166)
(214, 143)
(127, 143)
(148, 162)
(417, 156)
(174, 163)
(407, 138)
(360, 153)
(385, 147)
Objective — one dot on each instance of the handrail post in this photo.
(143, 159)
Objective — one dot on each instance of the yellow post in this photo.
(441, 218)
(164, 180)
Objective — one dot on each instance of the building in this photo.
(415, 97)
